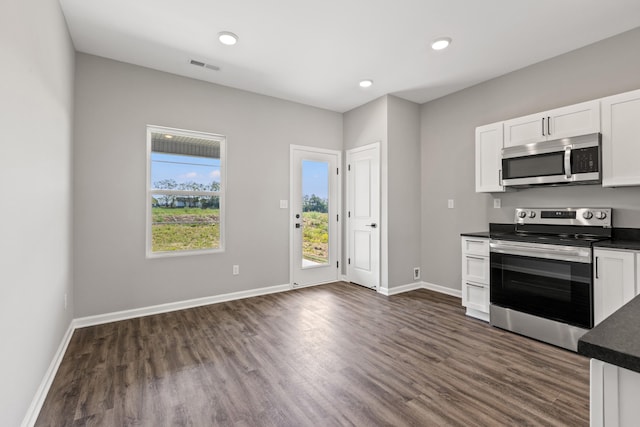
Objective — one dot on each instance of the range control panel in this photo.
(599, 217)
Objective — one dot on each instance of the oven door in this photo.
(549, 281)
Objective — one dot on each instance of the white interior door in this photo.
(363, 215)
(315, 206)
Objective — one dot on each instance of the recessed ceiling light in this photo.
(441, 43)
(366, 83)
(227, 38)
(168, 136)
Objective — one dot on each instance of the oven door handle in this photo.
(555, 252)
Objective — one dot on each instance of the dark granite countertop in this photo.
(484, 234)
(494, 230)
(622, 238)
(618, 244)
(617, 339)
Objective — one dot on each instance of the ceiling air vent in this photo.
(202, 64)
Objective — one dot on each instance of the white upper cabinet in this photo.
(489, 139)
(524, 130)
(621, 139)
(573, 120)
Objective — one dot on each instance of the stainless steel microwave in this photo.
(565, 161)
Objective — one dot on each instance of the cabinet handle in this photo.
(596, 266)
(475, 257)
(475, 286)
(543, 127)
(549, 126)
(500, 176)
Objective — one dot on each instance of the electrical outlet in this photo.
(497, 203)
(416, 273)
(450, 203)
(236, 270)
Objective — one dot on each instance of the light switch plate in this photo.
(497, 203)
(450, 203)
(284, 204)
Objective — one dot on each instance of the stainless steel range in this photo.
(541, 273)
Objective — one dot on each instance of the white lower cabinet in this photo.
(614, 282)
(475, 297)
(475, 277)
(614, 395)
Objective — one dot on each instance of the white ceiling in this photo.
(316, 52)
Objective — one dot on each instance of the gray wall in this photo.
(362, 126)
(395, 123)
(447, 136)
(36, 83)
(114, 103)
(404, 190)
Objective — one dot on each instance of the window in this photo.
(185, 192)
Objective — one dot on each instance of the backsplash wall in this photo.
(625, 202)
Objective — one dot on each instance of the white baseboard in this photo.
(41, 394)
(442, 289)
(400, 289)
(174, 306)
(420, 285)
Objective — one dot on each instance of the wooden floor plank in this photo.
(335, 354)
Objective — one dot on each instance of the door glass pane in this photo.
(315, 213)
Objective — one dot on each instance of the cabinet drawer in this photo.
(475, 296)
(475, 246)
(475, 269)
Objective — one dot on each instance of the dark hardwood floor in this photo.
(329, 355)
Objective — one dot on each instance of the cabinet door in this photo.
(475, 296)
(621, 139)
(574, 120)
(475, 268)
(614, 282)
(489, 158)
(475, 246)
(524, 130)
(613, 395)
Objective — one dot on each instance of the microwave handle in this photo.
(567, 162)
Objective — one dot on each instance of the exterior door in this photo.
(315, 206)
(363, 215)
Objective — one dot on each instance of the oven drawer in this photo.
(475, 296)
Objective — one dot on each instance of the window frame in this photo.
(222, 140)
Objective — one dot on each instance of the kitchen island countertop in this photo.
(616, 340)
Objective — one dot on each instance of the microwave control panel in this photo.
(585, 160)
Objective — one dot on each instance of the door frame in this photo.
(377, 145)
(292, 220)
